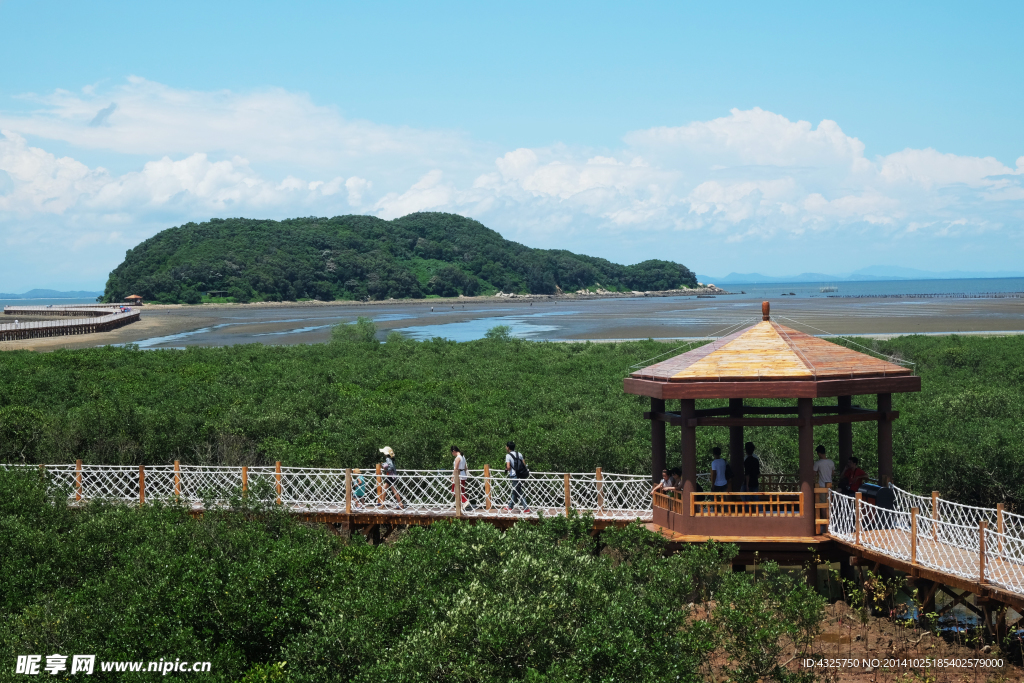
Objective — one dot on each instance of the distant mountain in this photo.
(869, 274)
(362, 257)
(51, 294)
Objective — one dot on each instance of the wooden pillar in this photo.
(657, 440)
(142, 484)
(805, 439)
(457, 489)
(845, 433)
(599, 485)
(245, 481)
(487, 486)
(982, 526)
(78, 486)
(913, 535)
(884, 439)
(856, 516)
(999, 526)
(177, 479)
(688, 451)
(277, 477)
(736, 444)
(935, 516)
(568, 504)
(380, 488)
(348, 490)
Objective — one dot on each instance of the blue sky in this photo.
(768, 137)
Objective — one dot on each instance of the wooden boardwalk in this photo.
(81, 320)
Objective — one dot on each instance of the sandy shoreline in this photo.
(572, 318)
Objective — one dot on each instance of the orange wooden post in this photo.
(142, 484)
(935, 516)
(348, 491)
(380, 487)
(487, 486)
(913, 535)
(567, 502)
(600, 489)
(277, 476)
(78, 485)
(177, 479)
(999, 526)
(245, 481)
(856, 508)
(982, 526)
(457, 488)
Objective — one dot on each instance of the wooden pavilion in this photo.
(765, 360)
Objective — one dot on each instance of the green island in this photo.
(362, 258)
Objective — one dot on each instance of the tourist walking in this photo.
(516, 471)
(359, 491)
(461, 470)
(391, 476)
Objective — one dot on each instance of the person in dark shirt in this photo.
(751, 468)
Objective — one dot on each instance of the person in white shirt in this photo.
(719, 480)
(512, 456)
(824, 467)
(460, 467)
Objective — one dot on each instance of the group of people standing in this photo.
(515, 470)
(850, 478)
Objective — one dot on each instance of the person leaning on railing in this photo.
(664, 485)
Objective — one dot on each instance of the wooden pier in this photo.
(82, 320)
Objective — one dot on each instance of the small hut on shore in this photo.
(134, 299)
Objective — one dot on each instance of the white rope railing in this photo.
(985, 545)
(325, 490)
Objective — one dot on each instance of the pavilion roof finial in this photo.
(765, 307)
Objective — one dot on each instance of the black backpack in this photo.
(519, 465)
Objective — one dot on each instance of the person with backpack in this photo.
(516, 470)
(461, 469)
(391, 476)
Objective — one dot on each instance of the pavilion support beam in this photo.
(884, 439)
(657, 440)
(805, 441)
(736, 444)
(845, 433)
(688, 450)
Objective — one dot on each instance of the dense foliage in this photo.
(263, 597)
(336, 404)
(362, 257)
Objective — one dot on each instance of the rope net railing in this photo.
(325, 490)
(973, 543)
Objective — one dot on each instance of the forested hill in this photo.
(359, 257)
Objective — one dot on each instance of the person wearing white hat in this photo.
(391, 476)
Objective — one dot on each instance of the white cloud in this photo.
(748, 176)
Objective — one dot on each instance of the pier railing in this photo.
(326, 490)
(983, 545)
(96, 318)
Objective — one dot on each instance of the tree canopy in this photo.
(362, 257)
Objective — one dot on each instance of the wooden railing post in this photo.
(935, 516)
(380, 487)
(567, 503)
(348, 490)
(600, 489)
(277, 477)
(982, 526)
(999, 526)
(142, 485)
(913, 535)
(457, 488)
(78, 485)
(487, 486)
(856, 513)
(245, 481)
(177, 480)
